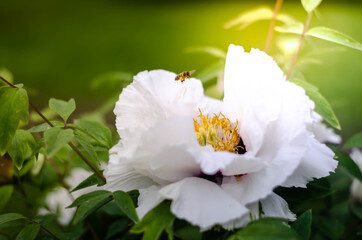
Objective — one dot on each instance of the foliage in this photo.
(36, 157)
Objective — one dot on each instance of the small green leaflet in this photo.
(8, 217)
(6, 74)
(123, 78)
(303, 225)
(97, 131)
(322, 106)
(29, 232)
(14, 108)
(266, 228)
(5, 193)
(296, 28)
(63, 108)
(90, 181)
(125, 203)
(210, 72)
(23, 147)
(310, 5)
(249, 17)
(214, 51)
(332, 35)
(45, 126)
(55, 138)
(323, 33)
(354, 142)
(157, 220)
(89, 203)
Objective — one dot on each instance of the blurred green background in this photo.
(56, 48)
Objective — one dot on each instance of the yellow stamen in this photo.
(218, 132)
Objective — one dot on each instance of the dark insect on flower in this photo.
(184, 75)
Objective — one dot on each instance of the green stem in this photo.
(278, 4)
(44, 229)
(299, 45)
(70, 144)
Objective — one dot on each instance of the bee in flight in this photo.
(184, 75)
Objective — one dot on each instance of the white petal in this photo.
(356, 191)
(227, 163)
(202, 202)
(272, 206)
(257, 185)
(210, 106)
(275, 206)
(356, 186)
(121, 176)
(147, 200)
(252, 92)
(317, 162)
(322, 132)
(356, 155)
(163, 154)
(154, 96)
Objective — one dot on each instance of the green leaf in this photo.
(116, 227)
(155, 222)
(303, 224)
(23, 147)
(55, 138)
(332, 35)
(310, 5)
(84, 198)
(315, 190)
(251, 16)
(354, 142)
(123, 78)
(322, 106)
(90, 181)
(214, 51)
(188, 232)
(90, 203)
(267, 228)
(96, 130)
(6, 74)
(8, 217)
(63, 108)
(357, 210)
(29, 232)
(125, 203)
(211, 71)
(45, 126)
(5, 193)
(331, 227)
(87, 143)
(296, 28)
(13, 108)
(347, 162)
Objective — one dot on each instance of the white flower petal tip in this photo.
(202, 202)
(271, 206)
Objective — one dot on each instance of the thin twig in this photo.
(300, 44)
(50, 124)
(278, 4)
(44, 229)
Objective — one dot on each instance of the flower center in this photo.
(218, 132)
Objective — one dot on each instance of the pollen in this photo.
(218, 132)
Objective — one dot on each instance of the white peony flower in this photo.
(60, 198)
(217, 161)
(356, 186)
